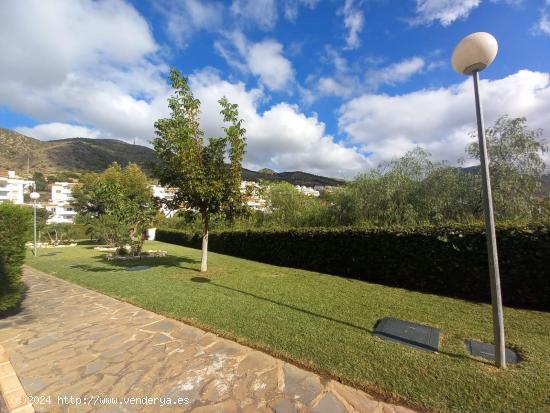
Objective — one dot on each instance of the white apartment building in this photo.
(161, 192)
(12, 187)
(253, 198)
(307, 190)
(62, 192)
(62, 212)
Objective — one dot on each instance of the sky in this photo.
(325, 86)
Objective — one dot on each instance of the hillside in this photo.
(74, 154)
(18, 151)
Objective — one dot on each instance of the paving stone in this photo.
(164, 325)
(33, 385)
(215, 391)
(95, 366)
(9, 383)
(359, 400)
(300, 384)
(329, 404)
(283, 406)
(228, 406)
(41, 342)
(256, 361)
(15, 399)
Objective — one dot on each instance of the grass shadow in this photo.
(91, 268)
(292, 307)
(125, 265)
(200, 279)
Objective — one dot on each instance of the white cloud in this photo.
(261, 13)
(350, 81)
(330, 86)
(184, 17)
(280, 137)
(58, 130)
(444, 11)
(396, 72)
(543, 25)
(353, 21)
(82, 62)
(292, 6)
(440, 119)
(264, 59)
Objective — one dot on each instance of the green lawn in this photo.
(325, 322)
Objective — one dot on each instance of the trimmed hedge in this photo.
(15, 225)
(450, 261)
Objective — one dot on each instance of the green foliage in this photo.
(61, 234)
(42, 215)
(41, 185)
(412, 190)
(444, 260)
(288, 207)
(195, 168)
(15, 228)
(117, 205)
(516, 166)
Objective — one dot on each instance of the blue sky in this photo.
(325, 86)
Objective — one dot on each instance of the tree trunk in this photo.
(204, 259)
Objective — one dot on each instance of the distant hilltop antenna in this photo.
(134, 140)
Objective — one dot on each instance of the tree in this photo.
(117, 204)
(195, 168)
(516, 166)
(41, 185)
(288, 207)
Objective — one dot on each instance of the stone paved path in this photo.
(70, 341)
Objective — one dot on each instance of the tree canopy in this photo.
(117, 205)
(196, 167)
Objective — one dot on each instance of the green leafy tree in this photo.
(195, 167)
(41, 185)
(288, 207)
(42, 216)
(117, 204)
(516, 166)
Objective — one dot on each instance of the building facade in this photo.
(13, 188)
(60, 208)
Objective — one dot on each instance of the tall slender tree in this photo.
(196, 167)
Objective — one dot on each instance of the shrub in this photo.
(449, 261)
(15, 226)
(61, 234)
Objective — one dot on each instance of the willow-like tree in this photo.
(196, 166)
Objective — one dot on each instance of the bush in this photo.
(449, 261)
(15, 226)
(61, 234)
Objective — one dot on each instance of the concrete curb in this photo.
(13, 395)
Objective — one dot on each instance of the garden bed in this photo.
(143, 255)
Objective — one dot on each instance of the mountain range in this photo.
(26, 155)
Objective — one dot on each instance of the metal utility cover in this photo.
(410, 334)
(49, 254)
(487, 351)
(138, 268)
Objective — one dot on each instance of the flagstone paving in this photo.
(69, 341)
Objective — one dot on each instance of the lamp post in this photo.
(34, 196)
(473, 54)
